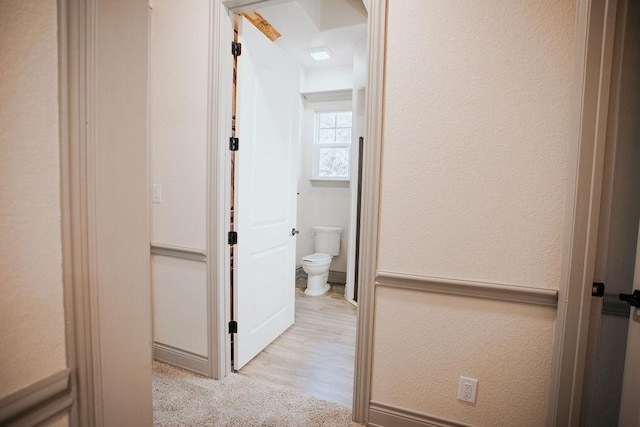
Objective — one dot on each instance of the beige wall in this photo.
(476, 135)
(179, 77)
(121, 202)
(476, 130)
(31, 304)
(179, 90)
(430, 340)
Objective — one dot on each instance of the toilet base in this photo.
(317, 285)
(317, 292)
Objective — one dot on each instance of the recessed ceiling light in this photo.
(320, 54)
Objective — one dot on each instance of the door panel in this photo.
(266, 184)
(630, 402)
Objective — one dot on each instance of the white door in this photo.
(630, 402)
(265, 193)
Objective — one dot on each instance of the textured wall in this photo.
(179, 76)
(179, 87)
(180, 304)
(475, 139)
(435, 338)
(476, 130)
(31, 307)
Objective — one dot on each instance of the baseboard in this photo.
(382, 415)
(37, 403)
(337, 277)
(181, 358)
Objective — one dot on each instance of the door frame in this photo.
(595, 31)
(600, 304)
(220, 196)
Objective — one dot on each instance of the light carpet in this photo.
(181, 398)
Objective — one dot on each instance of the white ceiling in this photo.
(309, 24)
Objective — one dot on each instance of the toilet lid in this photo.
(316, 258)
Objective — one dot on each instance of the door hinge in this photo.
(597, 290)
(233, 327)
(233, 237)
(234, 143)
(236, 49)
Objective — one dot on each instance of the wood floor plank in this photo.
(316, 355)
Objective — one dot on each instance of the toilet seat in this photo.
(316, 258)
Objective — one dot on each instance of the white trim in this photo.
(76, 31)
(37, 402)
(609, 305)
(317, 146)
(381, 414)
(496, 291)
(238, 6)
(586, 158)
(328, 96)
(178, 252)
(330, 182)
(218, 217)
(181, 358)
(219, 193)
(374, 109)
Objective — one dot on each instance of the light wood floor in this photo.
(315, 356)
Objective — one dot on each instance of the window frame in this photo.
(315, 158)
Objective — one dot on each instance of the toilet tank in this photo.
(327, 239)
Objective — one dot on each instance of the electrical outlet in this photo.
(467, 389)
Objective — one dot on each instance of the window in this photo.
(332, 145)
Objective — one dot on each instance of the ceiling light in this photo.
(320, 54)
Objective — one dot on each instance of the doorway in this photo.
(617, 230)
(270, 180)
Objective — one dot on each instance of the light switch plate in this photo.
(156, 194)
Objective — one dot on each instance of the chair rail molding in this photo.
(38, 402)
(468, 288)
(178, 252)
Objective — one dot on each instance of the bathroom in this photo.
(327, 40)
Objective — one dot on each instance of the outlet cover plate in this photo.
(467, 389)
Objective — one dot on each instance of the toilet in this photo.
(316, 265)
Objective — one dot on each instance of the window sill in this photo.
(333, 183)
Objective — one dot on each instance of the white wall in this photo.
(179, 81)
(31, 305)
(476, 128)
(326, 79)
(319, 203)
